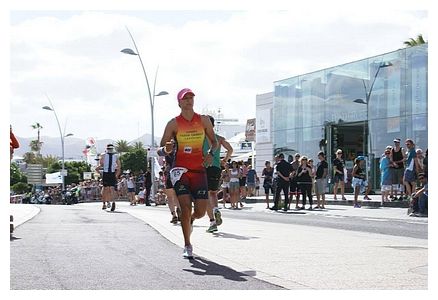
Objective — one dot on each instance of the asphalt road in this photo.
(79, 247)
(335, 218)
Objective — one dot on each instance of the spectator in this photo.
(358, 181)
(267, 175)
(225, 177)
(130, 183)
(283, 171)
(251, 178)
(386, 180)
(338, 164)
(397, 157)
(294, 188)
(412, 167)
(148, 186)
(234, 184)
(420, 198)
(321, 180)
(420, 157)
(304, 180)
(242, 181)
(425, 161)
(312, 175)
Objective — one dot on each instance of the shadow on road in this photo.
(205, 267)
(233, 236)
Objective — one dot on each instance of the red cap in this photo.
(183, 92)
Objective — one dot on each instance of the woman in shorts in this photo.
(234, 184)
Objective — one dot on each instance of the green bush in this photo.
(21, 188)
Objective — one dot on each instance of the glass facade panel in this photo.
(359, 107)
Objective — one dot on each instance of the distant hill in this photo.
(73, 147)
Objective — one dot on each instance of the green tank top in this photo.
(216, 153)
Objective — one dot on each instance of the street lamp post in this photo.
(151, 97)
(62, 135)
(366, 102)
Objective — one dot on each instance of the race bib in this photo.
(176, 173)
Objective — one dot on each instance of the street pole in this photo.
(367, 102)
(151, 97)
(62, 136)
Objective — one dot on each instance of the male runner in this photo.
(110, 164)
(213, 178)
(188, 175)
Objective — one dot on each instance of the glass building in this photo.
(359, 107)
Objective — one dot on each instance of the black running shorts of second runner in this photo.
(109, 179)
(213, 178)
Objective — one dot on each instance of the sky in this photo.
(225, 55)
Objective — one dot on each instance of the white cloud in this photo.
(227, 60)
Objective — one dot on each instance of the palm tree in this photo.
(138, 145)
(415, 42)
(37, 146)
(122, 146)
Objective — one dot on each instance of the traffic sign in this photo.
(34, 173)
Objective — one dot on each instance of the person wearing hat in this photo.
(186, 133)
(111, 168)
(397, 168)
(385, 177)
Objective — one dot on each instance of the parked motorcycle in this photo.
(40, 198)
(69, 197)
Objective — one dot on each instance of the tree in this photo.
(138, 145)
(37, 145)
(74, 169)
(134, 160)
(15, 175)
(31, 158)
(415, 42)
(122, 146)
(21, 188)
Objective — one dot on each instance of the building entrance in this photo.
(351, 138)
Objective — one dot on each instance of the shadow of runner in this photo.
(210, 268)
(233, 236)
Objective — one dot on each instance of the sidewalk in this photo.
(296, 256)
(375, 201)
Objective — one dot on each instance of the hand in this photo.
(169, 146)
(208, 160)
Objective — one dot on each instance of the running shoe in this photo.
(113, 206)
(104, 206)
(212, 228)
(174, 220)
(357, 206)
(188, 252)
(218, 217)
(366, 198)
(108, 205)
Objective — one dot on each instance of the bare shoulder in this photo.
(205, 119)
